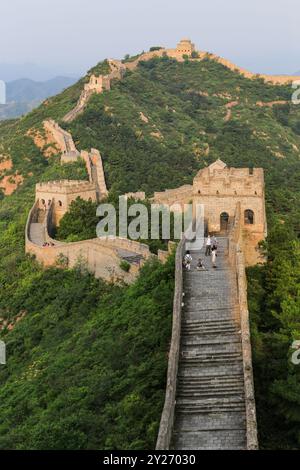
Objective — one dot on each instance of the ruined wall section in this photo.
(96, 84)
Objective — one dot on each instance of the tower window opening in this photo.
(249, 217)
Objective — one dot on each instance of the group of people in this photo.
(48, 244)
(211, 249)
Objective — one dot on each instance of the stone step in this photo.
(195, 393)
(210, 421)
(202, 321)
(197, 408)
(207, 402)
(224, 439)
(210, 398)
(215, 369)
(210, 340)
(202, 331)
(209, 381)
(209, 350)
(201, 360)
(207, 315)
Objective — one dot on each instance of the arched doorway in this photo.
(224, 221)
(249, 217)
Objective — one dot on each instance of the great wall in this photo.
(96, 85)
(185, 48)
(209, 401)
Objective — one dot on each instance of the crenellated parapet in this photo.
(63, 193)
(226, 181)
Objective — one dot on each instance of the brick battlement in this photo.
(229, 181)
(65, 186)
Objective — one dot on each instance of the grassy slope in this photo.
(185, 103)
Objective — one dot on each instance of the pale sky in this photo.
(73, 35)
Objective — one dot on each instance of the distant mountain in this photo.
(10, 72)
(24, 94)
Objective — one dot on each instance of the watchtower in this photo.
(62, 193)
(185, 47)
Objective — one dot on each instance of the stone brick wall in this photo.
(237, 261)
(167, 417)
(101, 256)
(62, 138)
(102, 261)
(100, 182)
(171, 197)
(70, 154)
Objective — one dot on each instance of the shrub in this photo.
(125, 266)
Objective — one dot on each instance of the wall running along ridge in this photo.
(92, 159)
(237, 261)
(96, 85)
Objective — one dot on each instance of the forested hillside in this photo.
(86, 360)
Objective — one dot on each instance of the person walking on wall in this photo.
(214, 256)
(188, 259)
(214, 243)
(208, 246)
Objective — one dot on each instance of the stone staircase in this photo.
(78, 109)
(210, 403)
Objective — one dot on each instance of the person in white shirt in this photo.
(188, 259)
(208, 246)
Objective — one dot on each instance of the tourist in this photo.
(214, 256)
(214, 243)
(200, 265)
(208, 246)
(188, 259)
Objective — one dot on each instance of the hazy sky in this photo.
(72, 35)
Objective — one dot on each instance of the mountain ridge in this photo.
(23, 95)
(155, 128)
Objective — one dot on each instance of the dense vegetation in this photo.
(80, 222)
(86, 362)
(274, 295)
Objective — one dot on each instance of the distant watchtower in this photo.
(185, 47)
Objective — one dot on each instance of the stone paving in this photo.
(210, 406)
